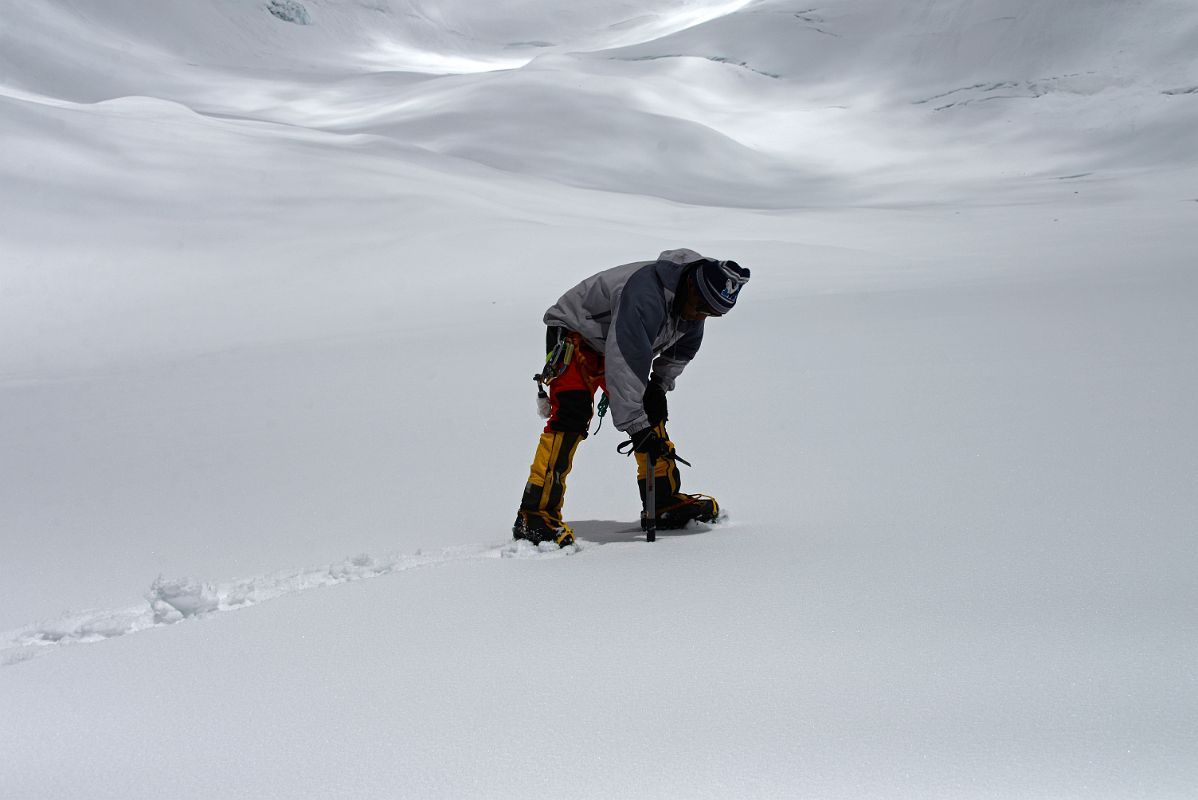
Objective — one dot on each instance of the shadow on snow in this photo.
(610, 531)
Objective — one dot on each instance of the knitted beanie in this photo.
(720, 283)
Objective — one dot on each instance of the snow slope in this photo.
(271, 293)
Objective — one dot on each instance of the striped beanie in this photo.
(720, 283)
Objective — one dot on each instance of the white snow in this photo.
(270, 296)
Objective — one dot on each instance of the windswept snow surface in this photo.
(271, 280)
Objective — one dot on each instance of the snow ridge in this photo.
(169, 601)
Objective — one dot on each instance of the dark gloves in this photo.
(655, 404)
(649, 443)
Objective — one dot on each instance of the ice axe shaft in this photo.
(650, 501)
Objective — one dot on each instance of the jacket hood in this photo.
(672, 265)
(681, 256)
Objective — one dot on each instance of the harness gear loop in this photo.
(557, 359)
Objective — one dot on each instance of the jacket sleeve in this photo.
(639, 316)
(669, 365)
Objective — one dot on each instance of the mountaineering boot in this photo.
(674, 509)
(540, 516)
(682, 509)
(533, 527)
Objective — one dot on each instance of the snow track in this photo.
(169, 601)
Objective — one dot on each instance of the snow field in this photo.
(271, 293)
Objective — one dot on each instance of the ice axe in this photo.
(650, 501)
(649, 523)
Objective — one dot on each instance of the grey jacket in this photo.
(628, 313)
